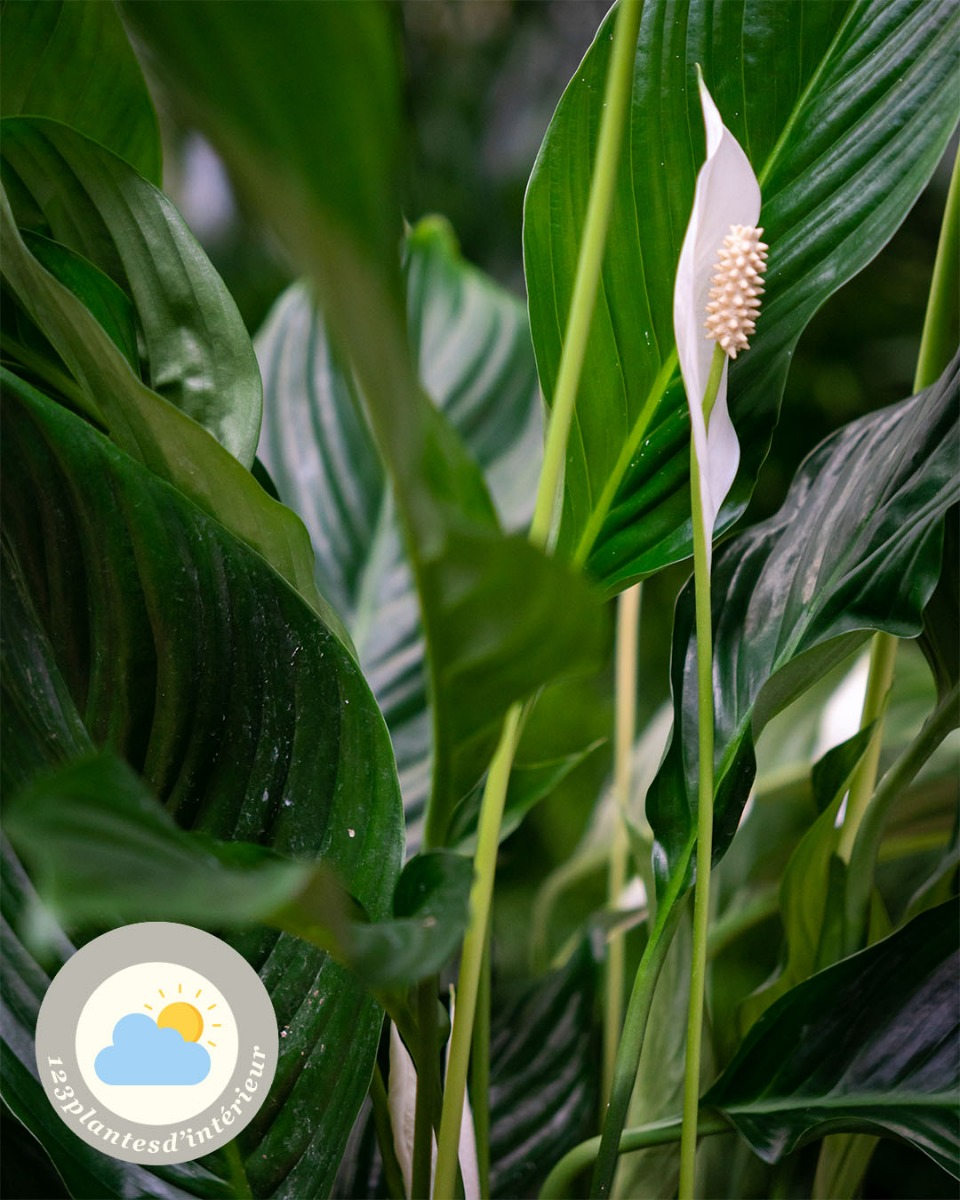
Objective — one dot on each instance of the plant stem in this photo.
(616, 97)
(589, 262)
(631, 1041)
(705, 721)
(481, 894)
(937, 343)
(381, 1123)
(942, 321)
(559, 1183)
(867, 844)
(480, 1072)
(628, 614)
(883, 654)
(427, 1083)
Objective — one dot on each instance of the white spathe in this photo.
(727, 193)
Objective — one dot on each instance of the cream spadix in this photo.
(718, 282)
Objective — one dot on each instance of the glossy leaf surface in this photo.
(195, 349)
(103, 851)
(542, 1079)
(137, 623)
(869, 1045)
(151, 430)
(472, 345)
(811, 892)
(72, 61)
(855, 547)
(843, 110)
(476, 588)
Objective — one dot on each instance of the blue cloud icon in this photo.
(143, 1053)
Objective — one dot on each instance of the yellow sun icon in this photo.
(184, 1018)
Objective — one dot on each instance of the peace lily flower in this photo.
(718, 279)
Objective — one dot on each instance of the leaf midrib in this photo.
(846, 1100)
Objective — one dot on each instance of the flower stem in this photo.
(705, 721)
(883, 655)
(631, 1041)
(480, 1072)
(937, 344)
(867, 845)
(616, 97)
(481, 894)
(628, 614)
(559, 1183)
(942, 321)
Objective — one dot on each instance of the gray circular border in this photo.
(157, 941)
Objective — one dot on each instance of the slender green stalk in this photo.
(628, 615)
(239, 1183)
(481, 894)
(867, 845)
(427, 1088)
(616, 98)
(480, 1072)
(384, 1130)
(559, 1183)
(883, 655)
(705, 720)
(631, 1041)
(941, 324)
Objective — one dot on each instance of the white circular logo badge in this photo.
(156, 1043)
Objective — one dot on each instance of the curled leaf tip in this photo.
(736, 289)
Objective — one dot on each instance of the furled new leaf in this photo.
(855, 547)
(70, 60)
(135, 622)
(870, 1045)
(843, 110)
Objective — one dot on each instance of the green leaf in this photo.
(152, 430)
(137, 623)
(529, 784)
(471, 341)
(845, 1051)
(23, 983)
(855, 547)
(843, 110)
(106, 301)
(284, 83)
(101, 850)
(940, 640)
(543, 1079)
(487, 601)
(71, 60)
(477, 590)
(195, 348)
(810, 898)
